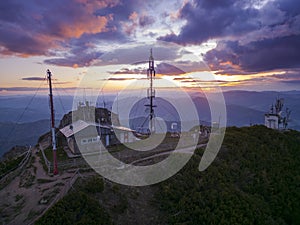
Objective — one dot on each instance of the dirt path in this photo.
(30, 193)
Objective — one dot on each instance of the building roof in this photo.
(74, 128)
(272, 114)
(79, 125)
(122, 128)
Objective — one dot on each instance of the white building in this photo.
(272, 120)
(89, 134)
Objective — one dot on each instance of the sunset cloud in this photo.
(119, 79)
(269, 54)
(29, 29)
(230, 38)
(34, 78)
(251, 37)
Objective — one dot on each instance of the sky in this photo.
(105, 44)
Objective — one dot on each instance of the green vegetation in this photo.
(26, 179)
(49, 197)
(17, 208)
(78, 207)
(18, 197)
(42, 161)
(93, 185)
(59, 184)
(60, 154)
(32, 214)
(9, 165)
(43, 181)
(31, 161)
(254, 180)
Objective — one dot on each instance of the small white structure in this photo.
(88, 133)
(276, 118)
(272, 120)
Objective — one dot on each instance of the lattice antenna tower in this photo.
(151, 92)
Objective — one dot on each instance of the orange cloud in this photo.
(90, 27)
(133, 16)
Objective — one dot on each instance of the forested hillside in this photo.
(255, 179)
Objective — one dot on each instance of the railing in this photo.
(19, 166)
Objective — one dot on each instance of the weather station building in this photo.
(272, 120)
(276, 116)
(86, 134)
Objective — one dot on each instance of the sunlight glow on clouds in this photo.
(240, 41)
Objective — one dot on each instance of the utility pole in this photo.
(55, 170)
(151, 92)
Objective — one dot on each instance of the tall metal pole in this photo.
(55, 170)
(151, 92)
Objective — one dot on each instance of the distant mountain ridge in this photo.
(243, 108)
(23, 134)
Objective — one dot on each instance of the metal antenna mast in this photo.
(55, 170)
(151, 92)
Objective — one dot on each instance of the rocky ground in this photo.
(30, 193)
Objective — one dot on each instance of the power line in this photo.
(7, 138)
(60, 100)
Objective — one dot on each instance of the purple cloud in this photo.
(213, 19)
(42, 28)
(236, 20)
(33, 78)
(145, 20)
(250, 38)
(130, 71)
(119, 79)
(269, 54)
(75, 60)
(139, 54)
(168, 69)
(161, 68)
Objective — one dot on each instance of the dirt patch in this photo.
(30, 194)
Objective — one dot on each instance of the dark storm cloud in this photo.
(167, 69)
(289, 75)
(146, 20)
(31, 89)
(75, 60)
(292, 7)
(119, 79)
(33, 78)
(160, 68)
(221, 19)
(81, 52)
(295, 82)
(251, 39)
(191, 66)
(80, 55)
(20, 89)
(269, 54)
(198, 81)
(208, 19)
(43, 27)
(139, 54)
